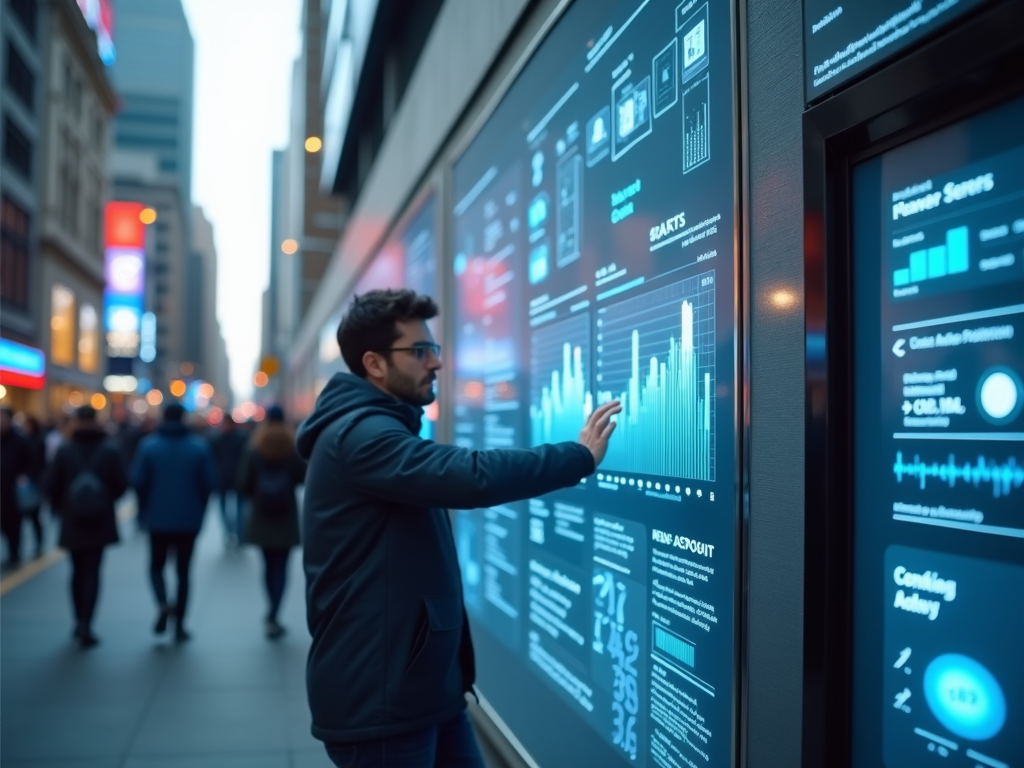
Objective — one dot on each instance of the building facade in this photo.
(80, 104)
(22, 64)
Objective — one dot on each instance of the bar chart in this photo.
(696, 140)
(937, 261)
(560, 400)
(656, 354)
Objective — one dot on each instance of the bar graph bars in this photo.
(560, 400)
(674, 647)
(696, 137)
(656, 354)
(938, 261)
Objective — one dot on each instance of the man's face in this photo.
(409, 371)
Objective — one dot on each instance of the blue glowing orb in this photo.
(965, 697)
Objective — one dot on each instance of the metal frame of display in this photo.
(971, 66)
(741, 345)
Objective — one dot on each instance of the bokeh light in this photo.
(154, 397)
(76, 399)
(98, 401)
(313, 144)
(147, 215)
(260, 379)
(178, 388)
(289, 246)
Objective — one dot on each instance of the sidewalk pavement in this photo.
(229, 698)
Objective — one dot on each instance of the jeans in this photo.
(233, 523)
(160, 545)
(85, 584)
(451, 744)
(275, 563)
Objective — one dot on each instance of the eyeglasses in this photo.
(422, 350)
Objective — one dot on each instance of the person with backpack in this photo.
(269, 473)
(173, 475)
(84, 481)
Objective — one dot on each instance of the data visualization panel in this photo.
(939, 448)
(842, 41)
(593, 231)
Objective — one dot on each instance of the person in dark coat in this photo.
(15, 463)
(34, 479)
(85, 533)
(228, 447)
(392, 657)
(271, 471)
(173, 476)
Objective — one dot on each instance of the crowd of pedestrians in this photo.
(79, 468)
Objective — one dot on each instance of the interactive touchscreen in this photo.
(843, 40)
(593, 233)
(939, 449)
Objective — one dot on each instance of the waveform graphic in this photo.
(560, 401)
(1003, 477)
(666, 427)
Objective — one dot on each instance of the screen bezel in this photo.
(971, 65)
(740, 324)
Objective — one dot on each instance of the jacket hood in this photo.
(273, 441)
(345, 393)
(172, 429)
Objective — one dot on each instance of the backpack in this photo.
(274, 492)
(87, 498)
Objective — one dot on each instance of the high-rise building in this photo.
(21, 115)
(79, 108)
(152, 163)
(204, 333)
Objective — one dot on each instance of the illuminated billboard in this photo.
(99, 15)
(125, 273)
(21, 365)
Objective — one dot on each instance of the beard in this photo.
(408, 389)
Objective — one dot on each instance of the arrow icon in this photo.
(901, 698)
(897, 348)
(904, 655)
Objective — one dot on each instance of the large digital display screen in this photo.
(593, 258)
(939, 448)
(843, 40)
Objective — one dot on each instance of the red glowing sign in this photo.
(123, 225)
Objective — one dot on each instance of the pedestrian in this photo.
(270, 472)
(30, 489)
(383, 589)
(84, 481)
(15, 463)
(228, 446)
(173, 476)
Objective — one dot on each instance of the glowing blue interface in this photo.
(939, 448)
(842, 40)
(593, 259)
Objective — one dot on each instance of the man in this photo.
(228, 447)
(86, 478)
(173, 476)
(391, 657)
(15, 462)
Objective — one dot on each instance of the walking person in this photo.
(15, 463)
(83, 482)
(228, 446)
(30, 489)
(383, 588)
(173, 476)
(270, 472)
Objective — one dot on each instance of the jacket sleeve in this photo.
(116, 477)
(384, 460)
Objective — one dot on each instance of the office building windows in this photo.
(88, 339)
(17, 149)
(62, 326)
(14, 228)
(19, 77)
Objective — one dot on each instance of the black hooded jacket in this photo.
(391, 649)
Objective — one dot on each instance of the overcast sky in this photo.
(244, 52)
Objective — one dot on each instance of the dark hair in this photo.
(174, 412)
(85, 413)
(369, 324)
(275, 413)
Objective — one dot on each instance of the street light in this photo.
(313, 144)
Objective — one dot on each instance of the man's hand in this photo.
(599, 428)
